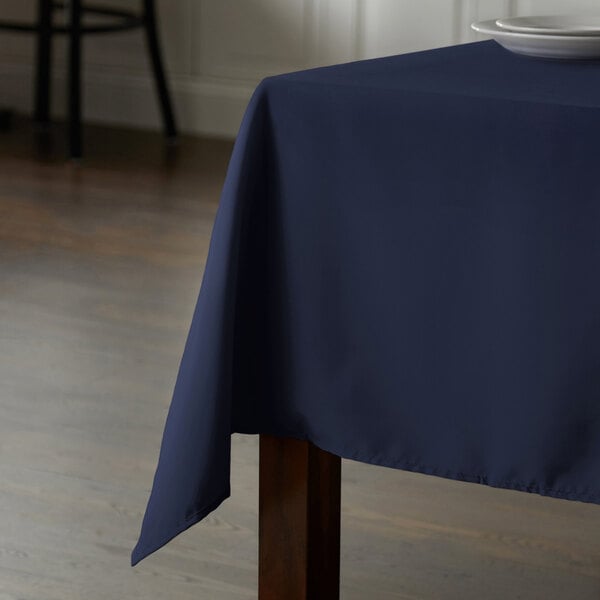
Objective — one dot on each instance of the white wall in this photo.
(217, 50)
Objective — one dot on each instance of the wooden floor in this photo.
(100, 265)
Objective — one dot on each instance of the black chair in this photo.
(117, 20)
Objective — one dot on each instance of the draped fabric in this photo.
(404, 270)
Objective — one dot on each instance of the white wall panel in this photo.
(392, 26)
(337, 30)
(248, 39)
(549, 7)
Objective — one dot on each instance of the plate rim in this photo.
(548, 30)
(489, 27)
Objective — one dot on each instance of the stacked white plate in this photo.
(557, 36)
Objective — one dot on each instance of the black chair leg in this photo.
(74, 79)
(157, 66)
(44, 58)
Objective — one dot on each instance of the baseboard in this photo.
(206, 107)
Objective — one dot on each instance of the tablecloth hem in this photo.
(581, 495)
(142, 551)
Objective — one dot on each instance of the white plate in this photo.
(540, 45)
(553, 24)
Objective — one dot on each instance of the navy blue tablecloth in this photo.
(405, 270)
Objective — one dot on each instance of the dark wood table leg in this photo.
(299, 521)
